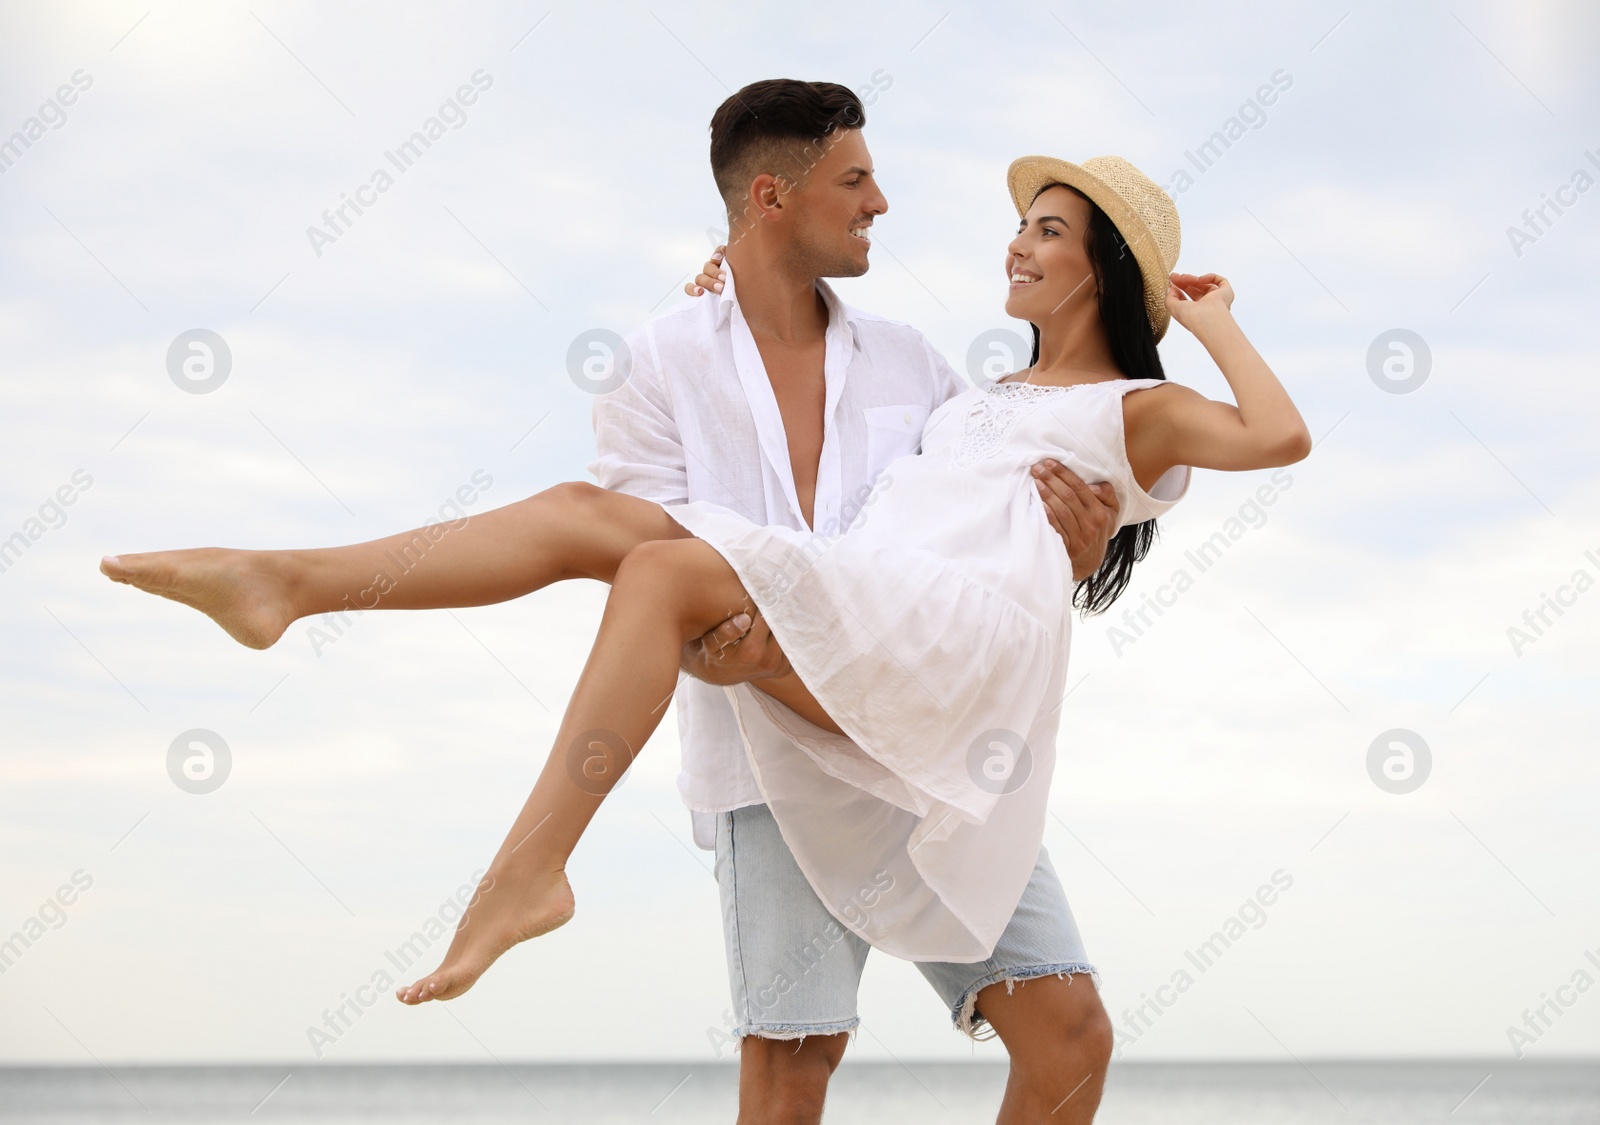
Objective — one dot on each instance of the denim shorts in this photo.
(795, 970)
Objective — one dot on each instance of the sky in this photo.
(1352, 698)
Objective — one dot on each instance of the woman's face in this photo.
(1047, 264)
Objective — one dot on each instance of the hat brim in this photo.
(1029, 175)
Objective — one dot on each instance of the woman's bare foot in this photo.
(504, 912)
(240, 590)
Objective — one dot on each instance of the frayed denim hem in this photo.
(964, 1016)
(795, 1031)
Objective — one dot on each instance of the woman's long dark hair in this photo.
(1120, 284)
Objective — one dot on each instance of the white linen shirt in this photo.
(696, 419)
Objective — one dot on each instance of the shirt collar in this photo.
(838, 311)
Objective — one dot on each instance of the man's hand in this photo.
(1084, 515)
(735, 652)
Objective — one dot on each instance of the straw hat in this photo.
(1142, 212)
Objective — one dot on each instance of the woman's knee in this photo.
(643, 577)
(575, 497)
(655, 562)
(597, 528)
(570, 523)
(686, 573)
(663, 566)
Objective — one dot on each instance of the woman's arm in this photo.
(1177, 426)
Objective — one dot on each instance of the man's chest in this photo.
(754, 426)
(798, 378)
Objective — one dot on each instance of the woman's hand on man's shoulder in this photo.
(710, 276)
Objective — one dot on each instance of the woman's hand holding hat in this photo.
(1191, 298)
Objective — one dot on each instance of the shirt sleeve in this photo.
(945, 382)
(638, 449)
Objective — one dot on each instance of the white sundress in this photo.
(935, 632)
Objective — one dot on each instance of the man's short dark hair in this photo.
(778, 126)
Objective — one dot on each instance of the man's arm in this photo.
(737, 651)
(1084, 515)
(639, 451)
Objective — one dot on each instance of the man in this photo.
(776, 400)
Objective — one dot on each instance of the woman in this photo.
(908, 754)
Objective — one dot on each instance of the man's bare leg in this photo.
(785, 1081)
(570, 531)
(1059, 1038)
(1056, 1031)
(663, 594)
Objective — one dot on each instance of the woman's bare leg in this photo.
(669, 588)
(664, 594)
(570, 531)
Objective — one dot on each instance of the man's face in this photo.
(833, 208)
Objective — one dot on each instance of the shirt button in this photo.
(906, 418)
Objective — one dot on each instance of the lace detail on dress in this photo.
(994, 414)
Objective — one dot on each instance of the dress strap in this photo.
(1123, 386)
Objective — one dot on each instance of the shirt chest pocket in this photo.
(892, 431)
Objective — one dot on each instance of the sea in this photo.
(1385, 1093)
